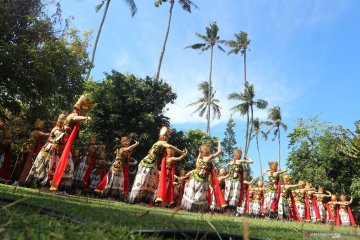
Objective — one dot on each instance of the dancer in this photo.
(197, 191)
(30, 149)
(147, 176)
(221, 177)
(71, 125)
(5, 154)
(165, 192)
(311, 209)
(285, 199)
(344, 215)
(320, 195)
(117, 179)
(273, 189)
(245, 205)
(99, 170)
(258, 200)
(85, 166)
(233, 194)
(331, 210)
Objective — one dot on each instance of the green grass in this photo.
(104, 219)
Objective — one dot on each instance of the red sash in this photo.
(161, 195)
(307, 208)
(5, 168)
(60, 168)
(274, 205)
(241, 197)
(219, 197)
(295, 213)
(329, 213)
(352, 221)
(338, 220)
(316, 208)
(262, 209)
(100, 187)
(126, 178)
(88, 171)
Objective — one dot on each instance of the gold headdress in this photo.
(237, 153)
(206, 146)
(321, 189)
(287, 178)
(39, 124)
(125, 141)
(333, 197)
(92, 140)
(273, 165)
(61, 118)
(84, 102)
(308, 185)
(260, 183)
(302, 183)
(164, 133)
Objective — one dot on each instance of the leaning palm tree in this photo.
(246, 107)
(211, 39)
(203, 105)
(256, 124)
(241, 45)
(186, 6)
(133, 10)
(275, 122)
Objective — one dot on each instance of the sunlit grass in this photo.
(88, 218)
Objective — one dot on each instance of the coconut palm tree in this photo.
(256, 124)
(186, 6)
(203, 104)
(133, 10)
(240, 44)
(275, 122)
(211, 39)
(246, 107)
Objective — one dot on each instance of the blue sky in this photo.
(304, 57)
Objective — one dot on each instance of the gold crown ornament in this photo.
(260, 183)
(273, 165)
(237, 153)
(125, 141)
(302, 183)
(333, 197)
(308, 185)
(84, 102)
(61, 118)
(287, 178)
(321, 189)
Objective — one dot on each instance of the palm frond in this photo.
(220, 48)
(99, 6)
(187, 4)
(261, 104)
(196, 46)
(132, 6)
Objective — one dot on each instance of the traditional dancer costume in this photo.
(286, 200)
(85, 166)
(221, 177)
(273, 189)
(49, 154)
(331, 210)
(117, 179)
(311, 209)
(300, 199)
(320, 202)
(64, 171)
(30, 149)
(245, 205)
(197, 196)
(147, 176)
(99, 170)
(344, 214)
(165, 192)
(5, 155)
(233, 185)
(257, 208)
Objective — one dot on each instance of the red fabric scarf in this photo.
(338, 220)
(329, 213)
(316, 208)
(88, 171)
(295, 213)
(274, 204)
(262, 209)
(241, 197)
(219, 197)
(307, 208)
(38, 147)
(161, 195)
(60, 168)
(100, 187)
(126, 178)
(5, 168)
(352, 220)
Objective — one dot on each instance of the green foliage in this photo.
(228, 143)
(316, 155)
(127, 104)
(42, 62)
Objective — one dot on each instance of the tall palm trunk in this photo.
(97, 39)
(166, 37)
(258, 150)
(251, 127)
(245, 66)
(209, 92)
(247, 133)
(279, 146)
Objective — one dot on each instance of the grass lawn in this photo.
(87, 218)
